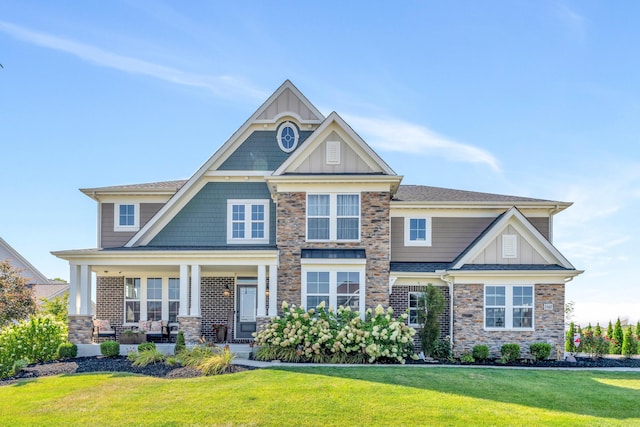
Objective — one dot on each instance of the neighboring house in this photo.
(296, 207)
(41, 286)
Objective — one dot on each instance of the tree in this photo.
(610, 330)
(589, 327)
(568, 343)
(628, 343)
(431, 304)
(569, 308)
(598, 330)
(615, 346)
(57, 307)
(638, 330)
(16, 299)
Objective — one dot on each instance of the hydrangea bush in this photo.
(34, 340)
(324, 336)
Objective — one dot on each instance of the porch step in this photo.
(242, 351)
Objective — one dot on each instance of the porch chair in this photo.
(155, 329)
(103, 329)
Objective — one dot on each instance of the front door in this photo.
(247, 305)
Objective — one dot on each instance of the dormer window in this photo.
(126, 217)
(287, 137)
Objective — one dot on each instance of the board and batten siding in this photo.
(116, 239)
(203, 220)
(449, 237)
(525, 253)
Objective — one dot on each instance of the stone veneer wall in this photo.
(80, 329)
(468, 323)
(215, 308)
(110, 302)
(375, 239)
(399, 301)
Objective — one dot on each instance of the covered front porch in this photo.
(194, 291)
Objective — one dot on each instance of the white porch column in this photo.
(273, 290)
(262, 289)
(195, 291)
(184, 290)
(74, 283)
(85, 290)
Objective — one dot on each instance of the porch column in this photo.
(195, 291)
(262, 289)
(85, 290)
(184, 290)
(74, 282)
(273, 290)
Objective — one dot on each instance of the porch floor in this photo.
(241, 351)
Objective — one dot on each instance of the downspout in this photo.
(450, 284)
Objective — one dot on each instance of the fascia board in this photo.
(551, 207)
(306, 182)
(205, 258)
(542, 277)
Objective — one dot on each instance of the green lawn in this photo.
(373, 396)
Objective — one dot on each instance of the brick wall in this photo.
(214, 306)
(399, 301)
(468, 323)
(375, 239)
(110, 301)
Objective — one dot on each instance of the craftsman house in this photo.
(296, 207)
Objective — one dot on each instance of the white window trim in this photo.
(116, 217)
(333, 217)
(296, 137)
(247, 221)
(509, 246)
(407, 232)
(419, 294)
(143, 297)
(508, 308)
(333, 270)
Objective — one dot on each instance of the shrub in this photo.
(598, 331)
(180, 344)
(110, 348)
(594, 345)
(540, 350)
(146, 346)
(568, 343)
(510, 353)
(67, 350)
(208, 360)
(34, 340)
(328, 336)
(431, 304)
(615, 347)
(18, 366)
(147, 356)
(442, 349)
(467, 358)
(618, 337)
(480, 352)
(609, 330)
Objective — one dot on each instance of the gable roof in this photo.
(194, 184)
(30, 272)
(529, 231)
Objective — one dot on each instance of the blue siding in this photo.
(203, 221)
(260, 152)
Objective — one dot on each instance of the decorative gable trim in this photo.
(526, 230)
(195, 183)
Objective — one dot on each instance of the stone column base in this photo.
(191, 327)
(80, 328)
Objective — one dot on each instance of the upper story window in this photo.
(417, 231)
(508, 307)
(287, 137)
(247, 221)
(126, 217)
(333, 217)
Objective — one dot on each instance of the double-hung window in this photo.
(335, 286)
(417, 231)
(154, 298)
(126, 217)
(414, 307)
(132, 299)
(247, 221)
(174, 299)
(333, 217)
(508, 307)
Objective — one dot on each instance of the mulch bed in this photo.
(108, 364)
(581, 362)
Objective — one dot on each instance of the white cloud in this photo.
(223, 86)
(397, 135)
(575, 23)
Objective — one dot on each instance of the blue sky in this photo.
(528, 98)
